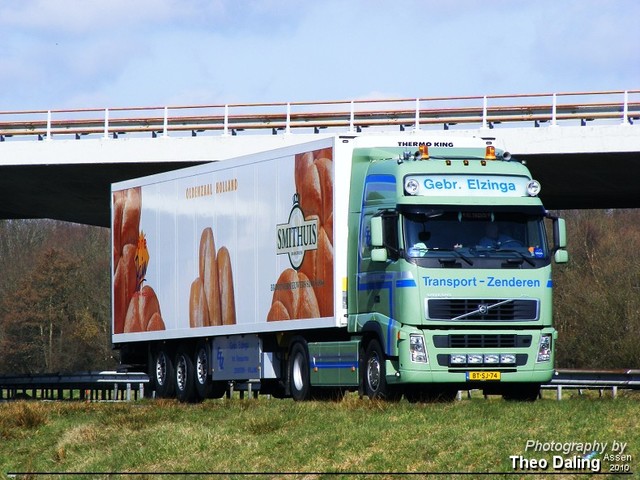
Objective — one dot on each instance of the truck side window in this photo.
(365, 236)
(391, 241)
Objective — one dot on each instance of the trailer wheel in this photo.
(201, 371)
(375, 374)
(185, 377)
(299, 382)
(163, 374)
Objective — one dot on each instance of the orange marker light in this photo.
(490, 153)
(424, 152)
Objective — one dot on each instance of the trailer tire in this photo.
(202, 368)
(299, 381)
(375, 379)
(185, 376)
(163, 374)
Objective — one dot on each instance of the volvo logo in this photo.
(483, 309)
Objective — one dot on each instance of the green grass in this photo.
(315, 439)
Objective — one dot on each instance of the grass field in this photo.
(352, 438)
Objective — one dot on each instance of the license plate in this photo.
(483, 376)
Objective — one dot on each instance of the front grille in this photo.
(487, 310)
(482, 340)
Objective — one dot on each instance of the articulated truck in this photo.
(414, 264)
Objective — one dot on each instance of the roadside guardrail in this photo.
(87, 386)
(600, 380)
(121, 386)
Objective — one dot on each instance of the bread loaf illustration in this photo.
(211, 297)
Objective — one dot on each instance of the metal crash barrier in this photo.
(85, 386)
(119, 386)
(600, 380)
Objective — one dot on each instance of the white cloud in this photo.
(158, 52)
(81, 17)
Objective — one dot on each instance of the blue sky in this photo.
(123, 53)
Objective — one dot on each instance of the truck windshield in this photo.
(469, 235)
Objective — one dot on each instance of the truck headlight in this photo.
(533, 188)
(475, 358)
(491, 358)
(544, 349)
(418, 349)
(412, 186)
(507, 358)
(458, 359)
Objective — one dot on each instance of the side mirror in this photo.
(377, 237)
(560, 240)
(384, 236)
(561, 256)
(378, 252)
(379, 255)
(560, 233)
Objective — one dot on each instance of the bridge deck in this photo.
(584, 147)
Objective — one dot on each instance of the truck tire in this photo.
(375, 374)
(163, 374)
(185, 376)
(299, 382)
(201, 371)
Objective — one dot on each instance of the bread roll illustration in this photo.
(143, 307)
(211, 297)
(296, 300)
(131, 216)
(314, 183)
(124, 281)
(198, 309)
(209, 275)
(227, 297)
(135, 307)
(318, 265)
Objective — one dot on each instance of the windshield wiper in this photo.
(524, 257)
(456, 252)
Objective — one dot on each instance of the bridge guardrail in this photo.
(348, 115)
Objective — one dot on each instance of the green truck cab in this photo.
(449, 271)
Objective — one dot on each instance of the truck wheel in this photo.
(299, 382)
(375, 379)
(185, 377)
(202, 369)
(163, 374)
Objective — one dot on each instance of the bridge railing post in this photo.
(165, 123)
(554, 111)
(484, 112)
(625, 109)
(48, 124)
(225, 130)
(287, 128)
(352, 116)
(106, 123)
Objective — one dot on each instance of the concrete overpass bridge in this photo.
(584, 147)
